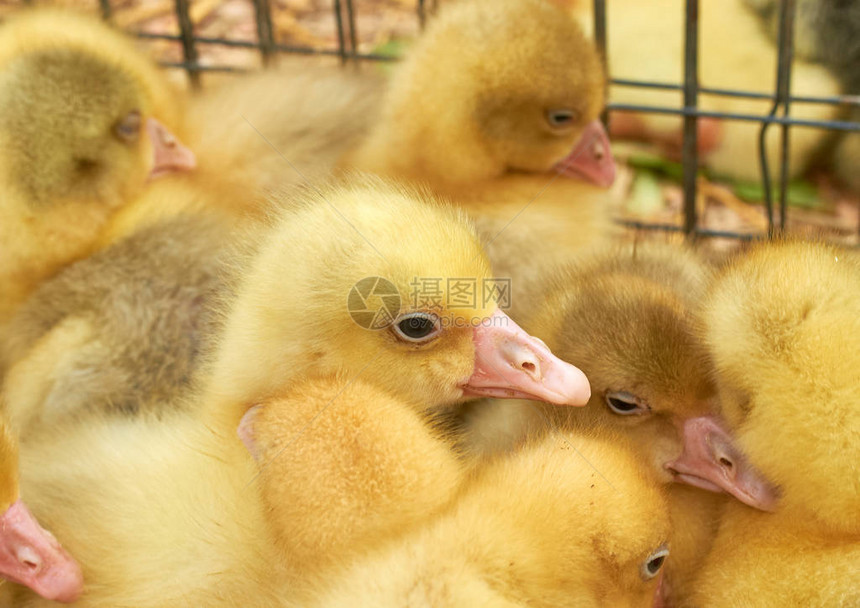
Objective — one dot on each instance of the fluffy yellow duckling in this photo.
(627, 318)
(169, 508)
(573, 520)
(85, 124)
(496, 106)
(30, 555)
(783, 327)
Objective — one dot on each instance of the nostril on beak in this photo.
(522, 359)
(726, 462)
(29, 559)
(529, 364)
(598, 151)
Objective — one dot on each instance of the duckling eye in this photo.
(626, 404)
(560, 118)
(417, 327)
(652, 565)
(128, 129)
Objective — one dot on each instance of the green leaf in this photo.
(801, 193)
(646, 195)
(396, 47)
(657, 164)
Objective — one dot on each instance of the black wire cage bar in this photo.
(344, 15)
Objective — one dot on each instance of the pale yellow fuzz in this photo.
(569, 521)
(50, 28)
(156, 514)
(29, 381)
(783, 326)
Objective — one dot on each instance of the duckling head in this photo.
(385, 283)
(628, 320)
(587, 525)
(783, 327)
(498, 87)
(77, 127)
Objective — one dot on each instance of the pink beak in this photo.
(168, 153)
(591, 158)
(661, 592)
(31, 556)
(511, 364)
(246, 431)
(711, 461)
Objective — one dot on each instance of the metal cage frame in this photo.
(344, 15)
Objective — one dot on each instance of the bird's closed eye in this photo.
(417, 327)
(626, 404)
(561, 118)
(128, 129)
(654, 563)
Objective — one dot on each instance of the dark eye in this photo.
(128, 129)
(417, 327)
(560, 118)
(652, 565)
(626, 404)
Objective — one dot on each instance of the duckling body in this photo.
(344, 467)
(282, 126)
(170, 514)
(121, 331)
(781, 322)
(526, 533)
